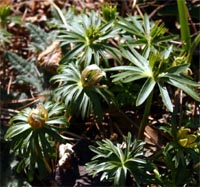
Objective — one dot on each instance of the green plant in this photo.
(181, 158)
(157, 69)
(80, 89)
(115, 162)
(40, 39)
(109, 11)
(93, 45)
(144, 33)
(89, 37)
(4, 14)
(33, 133)
(26, 70)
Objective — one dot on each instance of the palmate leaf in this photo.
(23, 135)
(89, 36)
(79, 92)
(113, 51)
(113, 162)
(144, 33)
(54, 109)
(145, 91)
(83, 105)
(132, 74)
(53, 133)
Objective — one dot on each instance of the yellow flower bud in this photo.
(38, 116)
(185, 139)
(91, 76)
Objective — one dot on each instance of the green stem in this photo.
(145, 116)
(47, 165)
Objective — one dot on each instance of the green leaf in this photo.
(185, 88)
(165, 97)
(147, 25)
(178, 69)
(53, 133)
(185, 29)
(77, 50)
(128, 55)
(194, 45)
(182, 79)
(57, 120)
(17, 129)
(39, 36)
(26, 70)
(145, 91)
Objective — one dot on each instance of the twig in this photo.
(9, 85)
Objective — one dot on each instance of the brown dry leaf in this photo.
(5, 2)
(65, 155)
(49, 59)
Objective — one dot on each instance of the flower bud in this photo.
(91, 76)
(185, 139)
(38, 116)
(109, 11)
(4, 12)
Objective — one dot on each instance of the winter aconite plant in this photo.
(90, 38)
(81, 90)
(144, 33)
(32, 132)
(156, 69)
(103, 69)
(117, 162)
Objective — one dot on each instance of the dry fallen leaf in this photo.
(49, 59)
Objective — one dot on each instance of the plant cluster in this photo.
(99, 54)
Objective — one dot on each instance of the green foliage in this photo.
(79, 90)
(92, 44)
(109, 11)
(27, 71)
(4, 36)
(89, 37)
(116, 161)
(185, 30)
(4, 13)
(143, 33)
(34, 144)
(57, 22)
(182, 161)
(40, 39)
(157, 70)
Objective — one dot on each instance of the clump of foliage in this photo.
(31, 132)
(104, 56)
(118, 161)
